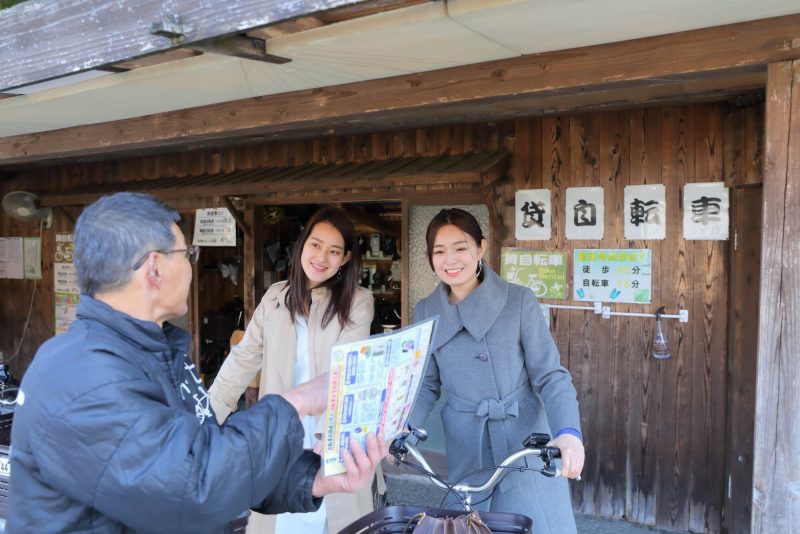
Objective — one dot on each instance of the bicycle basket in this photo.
(393, 520)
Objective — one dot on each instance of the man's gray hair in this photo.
(115, 232)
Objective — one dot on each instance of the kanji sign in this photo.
(612, 275)
(705, 211)
(533, 210)
(645, 212)
(585, 213)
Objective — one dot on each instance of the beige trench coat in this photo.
(269, 346)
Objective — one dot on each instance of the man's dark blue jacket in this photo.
(114, 433)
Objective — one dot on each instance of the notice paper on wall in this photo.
(32, 258)
(65, 283)
(372, 387)
(214, 227)
(11, 256)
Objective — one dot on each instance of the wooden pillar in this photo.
(776, 475)
(253, 284)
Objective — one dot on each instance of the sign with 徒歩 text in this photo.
(612, 275)
(645, 212)
(585, 213)
(533, 217)
(544, 272)
(214, 227)
(705, 211)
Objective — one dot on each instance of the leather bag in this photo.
(470, 523)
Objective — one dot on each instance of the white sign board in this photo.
(612, 275)
(214, 227)
(705, 211)
(585, 212)
(645, 212)
(533, 217)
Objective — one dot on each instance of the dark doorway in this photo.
(746, 220)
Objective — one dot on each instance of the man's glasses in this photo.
(192, 253)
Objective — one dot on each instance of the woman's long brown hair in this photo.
(342, 288)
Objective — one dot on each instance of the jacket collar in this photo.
(476, 313)
(317, 295)
(144, 334)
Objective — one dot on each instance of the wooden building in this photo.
(705, 441)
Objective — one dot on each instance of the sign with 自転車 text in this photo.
(214, 227)
(544, 272)
(612, 275)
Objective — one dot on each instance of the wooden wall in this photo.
(655, 430)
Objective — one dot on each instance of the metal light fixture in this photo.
(660, 344)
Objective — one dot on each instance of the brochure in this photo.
(372, 388)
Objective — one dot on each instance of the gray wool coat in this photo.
(495, 357)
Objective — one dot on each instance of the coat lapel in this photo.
(288, 343)
(480, 310)
(476, 313)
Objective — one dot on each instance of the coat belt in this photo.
(492, 413)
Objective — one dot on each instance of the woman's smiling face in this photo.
(323, 253)
(455, 257)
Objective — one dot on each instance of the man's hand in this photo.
(310, 397)
(360, 467)
(572, 454)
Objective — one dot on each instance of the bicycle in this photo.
(396, 518)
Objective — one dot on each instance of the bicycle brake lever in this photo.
(550, 470)
(536, 441)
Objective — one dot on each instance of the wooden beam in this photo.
(359, 215)
(240, 46)
(236, 215)
(83, 35)
(776, 470)
(652, 65)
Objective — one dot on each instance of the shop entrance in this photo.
(220, 270)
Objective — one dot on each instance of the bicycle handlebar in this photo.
(534, 445)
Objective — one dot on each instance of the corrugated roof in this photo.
(354, 176)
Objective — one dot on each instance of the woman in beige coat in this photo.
(289, 341)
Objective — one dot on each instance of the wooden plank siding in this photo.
(776, 490)
(655, 429)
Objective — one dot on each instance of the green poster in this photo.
(544, 272)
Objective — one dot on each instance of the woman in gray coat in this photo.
(495, 357)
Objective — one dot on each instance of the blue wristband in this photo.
(572, 431)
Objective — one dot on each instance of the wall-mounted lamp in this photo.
(660, 345)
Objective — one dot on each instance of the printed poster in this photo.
(11, 257)
(65, 284)
(645, 212)
(533, 214)
(612, 275)
(372, 388)
(32, 258)
(705, 211)
(214, 227)
(544, 272)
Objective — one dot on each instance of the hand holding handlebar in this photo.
(572, 455)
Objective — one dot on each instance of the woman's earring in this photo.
(339, 274)
(480, 268)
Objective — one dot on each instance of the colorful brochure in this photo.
(372, 388)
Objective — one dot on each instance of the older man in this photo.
(113, 430)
